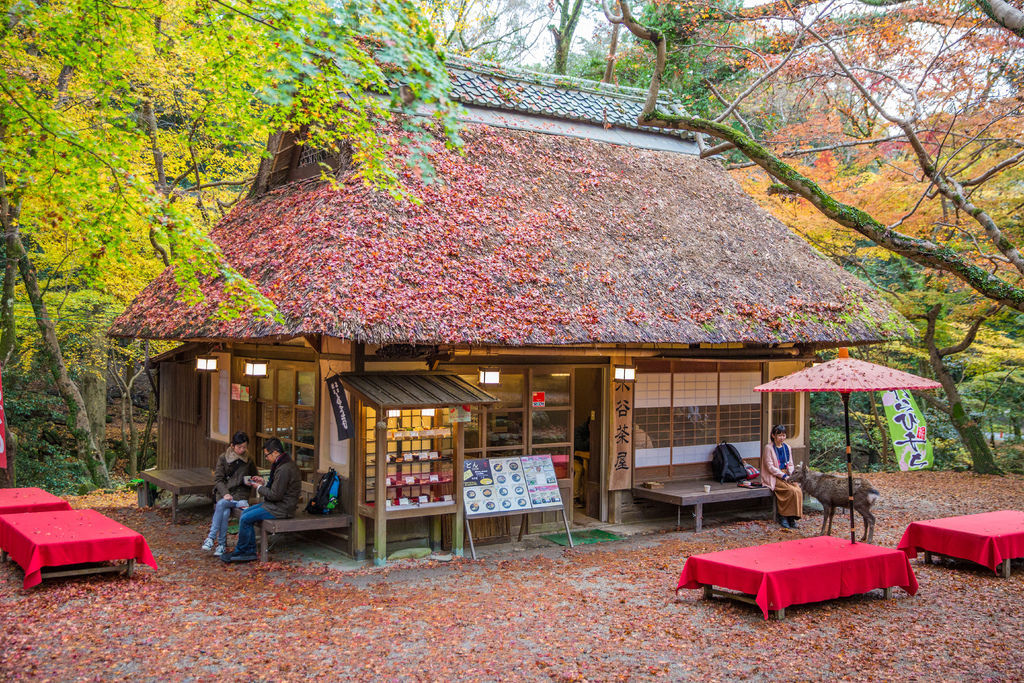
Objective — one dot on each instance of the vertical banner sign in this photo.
(342, 413)
(907, 430)
(619, 475)
(3, 429)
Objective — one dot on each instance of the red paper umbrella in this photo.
(846, 375)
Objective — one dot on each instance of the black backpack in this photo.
(327, 498)
(727, 465)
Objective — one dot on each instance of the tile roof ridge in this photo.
(491, 68)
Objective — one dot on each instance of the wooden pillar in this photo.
(458, 526)
(380, 520)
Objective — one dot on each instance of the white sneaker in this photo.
(220, 550)
(208, 544)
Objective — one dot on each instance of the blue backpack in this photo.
(327, 498)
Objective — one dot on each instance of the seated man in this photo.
(280, 498)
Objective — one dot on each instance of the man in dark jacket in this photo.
(280, 498)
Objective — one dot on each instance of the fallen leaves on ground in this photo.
(601, 612)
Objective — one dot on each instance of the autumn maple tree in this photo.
(126, 129)
(933, 88)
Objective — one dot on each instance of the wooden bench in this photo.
(179, 483)
(302, 521)
(683, 493)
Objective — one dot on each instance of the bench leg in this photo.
(174, 508)
(699, 514)
(1006, 568)
(263, 543)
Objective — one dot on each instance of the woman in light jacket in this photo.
(230, 489)
(777, 468)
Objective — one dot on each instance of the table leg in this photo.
(887, 593)
(780, 614)
(927, 557)
(131, 568)
(1006, 568)
(3, 555)
(699, 514)
(174, 508)
(707, 592)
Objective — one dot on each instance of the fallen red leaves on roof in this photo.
(527, 239)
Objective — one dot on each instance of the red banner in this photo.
(3, 429)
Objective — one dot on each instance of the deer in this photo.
(833, 492)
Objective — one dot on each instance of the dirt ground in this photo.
(606, 611)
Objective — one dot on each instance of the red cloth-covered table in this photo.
(29, 500)
(52, 539)
(792, 572)
(990, 538)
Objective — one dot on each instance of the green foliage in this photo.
(78, 97)
(46, 452)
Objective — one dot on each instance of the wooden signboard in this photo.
(620, 464)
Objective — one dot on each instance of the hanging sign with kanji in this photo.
(907, 430)
(621, 462)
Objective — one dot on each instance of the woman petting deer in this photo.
(775, 473)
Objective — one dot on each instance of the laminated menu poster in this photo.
(541, 482)
(494, 486)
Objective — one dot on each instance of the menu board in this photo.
(541, 481)
(503, 485)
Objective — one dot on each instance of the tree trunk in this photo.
(78, 416)
(969, 430)
(609, 68)
(888, 454)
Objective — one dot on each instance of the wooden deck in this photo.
(683, 493)
(180, 483)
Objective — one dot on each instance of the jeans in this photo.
(221, 517)
(246, 533)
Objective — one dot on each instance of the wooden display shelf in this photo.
(427, 510)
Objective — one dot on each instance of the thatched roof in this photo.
(530, 239)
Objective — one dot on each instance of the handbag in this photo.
(752, 472)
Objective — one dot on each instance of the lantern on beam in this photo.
(255, 368)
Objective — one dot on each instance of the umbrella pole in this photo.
(849, 463)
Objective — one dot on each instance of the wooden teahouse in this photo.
(611, 297)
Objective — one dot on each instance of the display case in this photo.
(420, 462)
(408, 451)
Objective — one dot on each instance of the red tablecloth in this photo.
(987, 538)
(50, 539)
(29, 500)
(805, 570)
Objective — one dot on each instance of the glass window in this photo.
(555, 387)
(550, 426)
(307, 389)
(286, 386)
(280, 418)
(305, 423)
(784, 412)
(505, 429)
(510, 392)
